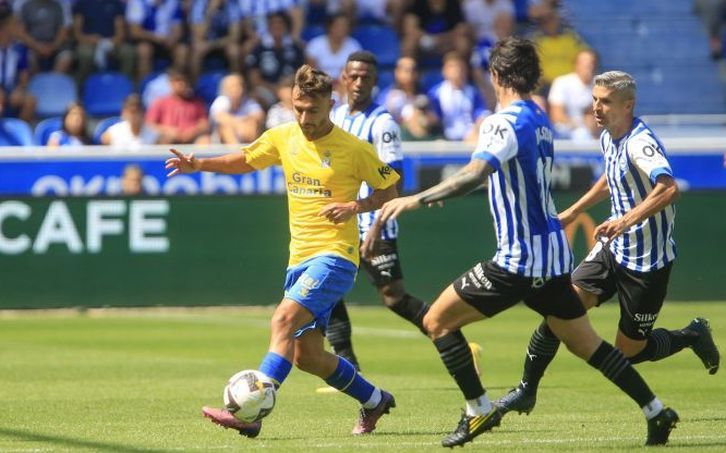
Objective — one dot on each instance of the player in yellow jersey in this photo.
(324, 167)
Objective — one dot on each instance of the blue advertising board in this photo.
(94, 173)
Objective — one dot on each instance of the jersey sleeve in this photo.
(387, 139)
(497, 141)
(372, 170)
(648, 156)
(262, 153)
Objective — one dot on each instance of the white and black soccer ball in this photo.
(249, 395)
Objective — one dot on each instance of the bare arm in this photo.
(341, 212)
(467, 179)
(233, 163)
(595, 195)
(663, 194)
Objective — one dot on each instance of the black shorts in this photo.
(385, 266)
(491, 289)
(641, 294)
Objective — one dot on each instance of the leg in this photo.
(84, 56)
(641, 299)
(311, 357)
(145, 58)
(410, 308)
(582, 341)
(339, 334)
(542, 348)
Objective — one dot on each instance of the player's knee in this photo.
(281, 324)
(433, 326)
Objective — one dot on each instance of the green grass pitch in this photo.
(135, 380)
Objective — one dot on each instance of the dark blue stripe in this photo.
(519, 214)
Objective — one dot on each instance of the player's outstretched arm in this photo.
(232, 163)
(663, 194)
(595, 195)
(341, 212)
(467, 179)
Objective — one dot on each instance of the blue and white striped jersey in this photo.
(632, 164)
(376, 126)
(517, 142)
(156, 17)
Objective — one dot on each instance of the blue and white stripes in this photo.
(376, 126)
(517, 142)
(632, 165)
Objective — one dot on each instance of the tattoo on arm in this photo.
(467, 179)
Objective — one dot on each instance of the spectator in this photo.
(589, 130)
(419, 122)
(456, 102)
(571, 94)
(157, 29)
(236, 118)
(155, 88)
(282, 112)
(73, 131)
(557, 46)
(404, 89)
(217, 31)
(382, 11)
(503, 27)
(44, 27)
(130, 134)
(257, 12)
(713, 16)
(330, 51)
(100, 32)
(277, 55)
(15, 100)
(180, 117)
(482, 15)
(434, 27)
(132, 180)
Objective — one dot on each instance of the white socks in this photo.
(478, 406)
(373, 400)
(652, 409)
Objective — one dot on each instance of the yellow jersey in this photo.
(327, 170)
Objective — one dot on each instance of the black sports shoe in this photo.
(518, 399)
(704, 347)
(471, 426)
(659, 427)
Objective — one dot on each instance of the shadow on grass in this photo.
(70, 442)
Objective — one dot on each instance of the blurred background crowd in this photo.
(127, 73)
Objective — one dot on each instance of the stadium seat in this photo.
(46, 127)
(102, 126)
(385, 78)
(381, 40)
(104, 93)
(54, 91)
(15, 132)
(208, 86)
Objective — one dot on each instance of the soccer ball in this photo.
(249, 395)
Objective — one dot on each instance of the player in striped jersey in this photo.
(635, 251)
(371, 122)
(533, 260)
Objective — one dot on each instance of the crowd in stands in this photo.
(219, 71)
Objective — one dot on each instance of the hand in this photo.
(182, 163)
(395, 207)
(338, 212)
(609, 230)
(368, 247)
(566, 217)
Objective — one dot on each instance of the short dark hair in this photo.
(313, 82)
(364, 56)
(282, 15)
(516, 64)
